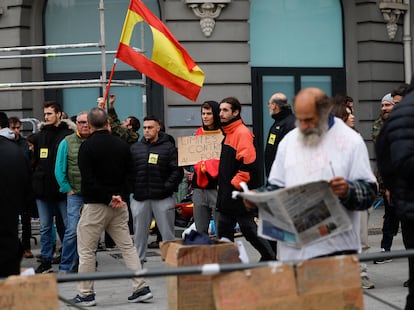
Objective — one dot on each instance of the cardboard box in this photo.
(194, 291)
(29, 292)
(259, 288)
(325, 283)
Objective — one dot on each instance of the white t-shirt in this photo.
(341, 151)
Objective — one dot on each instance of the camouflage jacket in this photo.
(124, 133)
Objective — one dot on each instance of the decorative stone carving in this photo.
(207, 11)
(391, 11)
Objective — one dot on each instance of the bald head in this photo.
(312, 108)
(277, 102)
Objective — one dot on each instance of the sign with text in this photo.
(192, 149)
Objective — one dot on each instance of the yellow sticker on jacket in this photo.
(272, 139)
(153, 159)
(44, 152)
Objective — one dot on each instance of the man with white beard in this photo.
(323, 147)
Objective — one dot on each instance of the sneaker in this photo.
(87, 301)
(366, 283)
(153, 245)
(142, 295)
(27, 254)
(383, 260)
(44, 267)
(56, 260)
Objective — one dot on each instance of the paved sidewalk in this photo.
(112, 294)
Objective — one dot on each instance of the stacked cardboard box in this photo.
(194, 291)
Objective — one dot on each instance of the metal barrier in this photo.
(213, 269)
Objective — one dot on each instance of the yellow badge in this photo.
(153, 159)
(44, 152)
(272, 139)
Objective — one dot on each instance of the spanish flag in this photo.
(170, 64)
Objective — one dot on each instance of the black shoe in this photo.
(44, 267)
(56, 260)
(153, 245)
(406, 283)
(87, 301)
(142, 295)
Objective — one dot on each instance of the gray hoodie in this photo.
(7, 133)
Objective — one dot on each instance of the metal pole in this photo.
(64, 84)
(144, 90)
(55, 55)
(47, 47)
(407, 43)
(102, 42)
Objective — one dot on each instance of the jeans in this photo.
(69, 247)
(46, 211)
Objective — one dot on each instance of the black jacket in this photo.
(14, 190)
(104, 160)
(46, 143)
(284, 122)
(395, 156)
(155, 171)
(237, 164)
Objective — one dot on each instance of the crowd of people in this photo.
(93, 175)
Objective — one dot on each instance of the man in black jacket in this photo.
(395, 160)
(14, 190)
(284, 121)
(49, 200)
(155, 178)
(104, 161)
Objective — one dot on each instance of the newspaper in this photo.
(299, 215)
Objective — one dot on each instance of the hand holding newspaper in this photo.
(299, 215)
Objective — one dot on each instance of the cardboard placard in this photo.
(192, 149)
(29, 292)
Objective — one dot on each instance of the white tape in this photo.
(209, 269)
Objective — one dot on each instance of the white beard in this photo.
(311, 137)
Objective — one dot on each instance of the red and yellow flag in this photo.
(170, 64)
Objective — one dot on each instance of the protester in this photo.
(155, 177)
(14, 190)
(322, 147)
(237, 164)
(104, 161)
(284, 121)
(25, 214)
(46, 189)
(68, 177)
(343, 110)
(395, 157)
(204, 179)
(391, 223)
(128, 131)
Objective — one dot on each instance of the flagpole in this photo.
(103, 49)
(108, 86)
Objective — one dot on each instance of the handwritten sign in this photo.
(29, 292)
(192, 149)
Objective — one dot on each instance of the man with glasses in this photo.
(68, 177)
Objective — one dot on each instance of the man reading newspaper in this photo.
(322, 147)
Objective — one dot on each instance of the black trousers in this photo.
(225, 228)
(407, 229)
